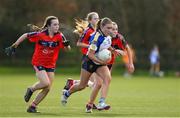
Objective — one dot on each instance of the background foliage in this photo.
(142, 22)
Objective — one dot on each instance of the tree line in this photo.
(142, 22)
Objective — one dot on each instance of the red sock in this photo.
(90, 103)
(33, 104)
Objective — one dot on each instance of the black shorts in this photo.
(89, 65)
(39, 68)
(109, 66)
(83, 57)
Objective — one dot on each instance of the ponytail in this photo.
(98, 27)
(47, 23)
(33, 27)
(81, 25)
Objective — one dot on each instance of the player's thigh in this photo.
(97, 78)
(43, 77)
(92, 78)
(51, 77)
(85, 76)
(104, 73)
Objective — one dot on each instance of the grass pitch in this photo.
(140, 96)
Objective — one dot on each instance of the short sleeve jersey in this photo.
(46, 48)
(118, 42)
(86, 37)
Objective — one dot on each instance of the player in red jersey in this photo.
(85, 30)
(92, 19)
(83, 42)
(48, 42)
(119, 42)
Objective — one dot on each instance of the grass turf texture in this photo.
(140, 96)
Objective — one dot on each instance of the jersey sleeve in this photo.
(124, 42)
(94, 42)
(85, 36)
(33, 36)
(62, 39)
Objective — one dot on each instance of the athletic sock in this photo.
(33, 104)
(102, 100)
(67, 93)
(90, 84)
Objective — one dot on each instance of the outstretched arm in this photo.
(11, 49)
(20, 39)
(130, 57)
(117, 51)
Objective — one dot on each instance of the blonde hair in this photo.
(90, 15)
(81, 25)
(47, 22)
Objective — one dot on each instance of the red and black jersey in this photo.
(118, 42)
(46, 48)
(86, 37)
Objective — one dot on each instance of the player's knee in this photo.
(98, 85)
(107, 80)
(46, 84)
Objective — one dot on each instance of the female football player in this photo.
(118, 43)
(100, 40)
(48, 42)
(84, 29)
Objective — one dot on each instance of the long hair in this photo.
(47, 23)
(81, 25)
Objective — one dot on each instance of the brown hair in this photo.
(102, 22)
(47, 23)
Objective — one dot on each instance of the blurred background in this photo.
(142, 22)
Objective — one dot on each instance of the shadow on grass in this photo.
(94, 114)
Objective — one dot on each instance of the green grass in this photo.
(140, 96)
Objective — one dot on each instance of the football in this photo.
(104, 55)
